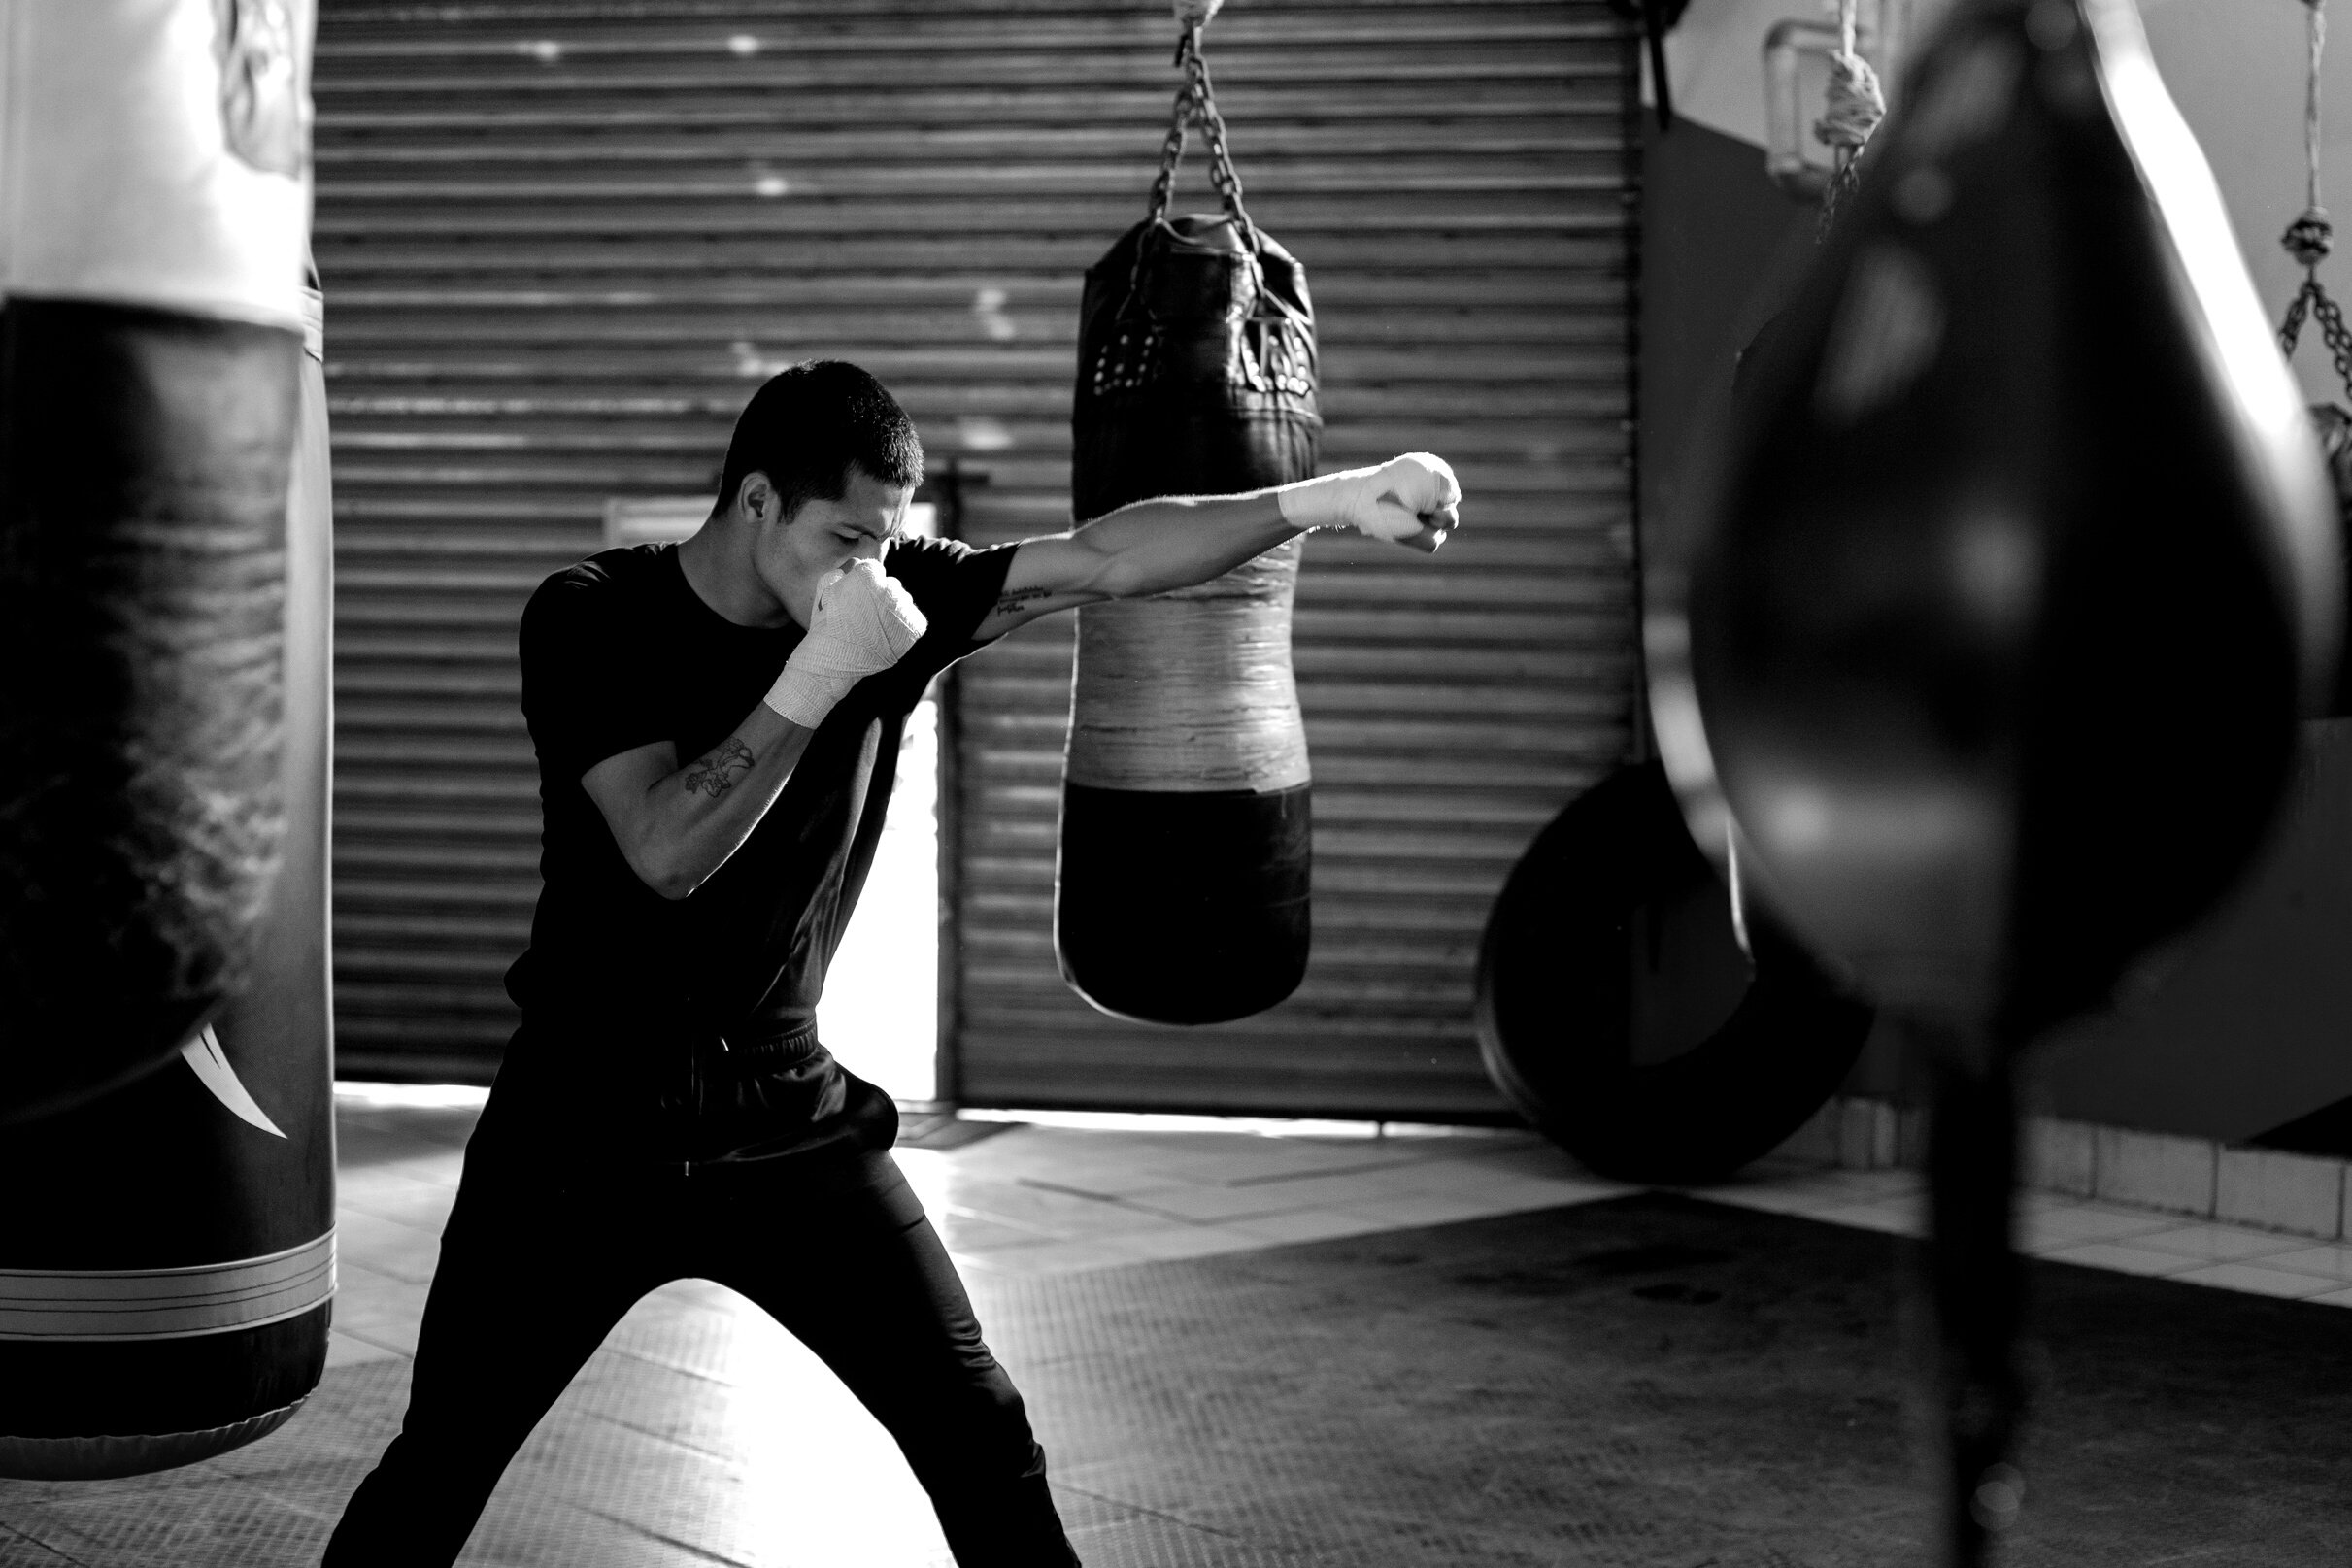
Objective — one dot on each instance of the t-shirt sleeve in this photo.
(955, 586)
(584, 696)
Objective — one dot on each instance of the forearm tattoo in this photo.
(714, 775)
(1016, 600)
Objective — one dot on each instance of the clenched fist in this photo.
(1414, 499)
(862, 623)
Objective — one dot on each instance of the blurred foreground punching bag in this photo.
(155, 176)
(2021, 571)
(2334, 427)
(167, 1255)
(2018, 579)
(1181, 892)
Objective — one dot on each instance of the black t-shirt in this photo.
(626, 993)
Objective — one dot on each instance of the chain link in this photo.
(2312, 301)
(1196, 105)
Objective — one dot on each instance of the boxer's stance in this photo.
(716, 725)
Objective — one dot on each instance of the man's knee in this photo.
(981, 1426)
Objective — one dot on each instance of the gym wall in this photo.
(2243, 1028)
(562, 241)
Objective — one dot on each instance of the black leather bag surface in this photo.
(1196, 369)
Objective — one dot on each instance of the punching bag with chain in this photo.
(1181, 892)
(2018, 575)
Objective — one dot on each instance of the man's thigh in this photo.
(843, 1256)
(536, 1265)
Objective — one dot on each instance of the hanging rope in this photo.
(1857, 103)
(2310, 237)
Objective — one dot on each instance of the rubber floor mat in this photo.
(1658, 1381)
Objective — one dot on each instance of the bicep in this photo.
(622, 787)
(1054, 572)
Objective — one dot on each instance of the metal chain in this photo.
(2312, 301)
(2335, 334)
(1196, 105)
(2310, 237)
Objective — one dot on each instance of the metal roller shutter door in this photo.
(561, 242)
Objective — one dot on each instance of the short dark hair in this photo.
(809, 424)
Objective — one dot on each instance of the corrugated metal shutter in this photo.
(562, 239)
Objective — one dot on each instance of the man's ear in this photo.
(755, 495)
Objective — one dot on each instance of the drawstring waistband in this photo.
(765, 1053)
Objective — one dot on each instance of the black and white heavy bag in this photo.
(1181, 892)
(167, 1255)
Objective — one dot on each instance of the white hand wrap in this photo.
(863, 622)
(1393, 501)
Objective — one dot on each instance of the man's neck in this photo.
(717, 560)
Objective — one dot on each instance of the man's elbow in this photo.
(1123, 578)
(664, 875)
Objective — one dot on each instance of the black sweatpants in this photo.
(534, 1272)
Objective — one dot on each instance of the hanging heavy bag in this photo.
(167, 1297)
(164, 598)
(2000, 668)
(1621, 1012)
(155, 178)
(1181, 890)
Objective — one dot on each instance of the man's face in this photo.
(792, 557)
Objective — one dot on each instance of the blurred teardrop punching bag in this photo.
(1181, 891)
(154, 207)
(2019, 574)
(165, 1274)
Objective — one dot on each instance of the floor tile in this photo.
(1304, 1225)
(344, 1350)
(377, 1307)
(2123, 1257)
(1409, 1208)
(966, 1232)
(404, 1251)
(1049, 1209)
(1902, 1217)
(406, 1199)
(1319, 1189)
(2040, 1226)
(1217, 1204)
(1165, 1244)
(1049, 1258)
(2331, 1262)
(1806, 1195)
(2220, 1244)
(2256, 1279)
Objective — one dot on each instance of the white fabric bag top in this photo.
(157, 153)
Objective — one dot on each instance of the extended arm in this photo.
(1151, 546)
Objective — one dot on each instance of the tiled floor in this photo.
(2077, 1231)
(1049, 1199)
(1028, 1200)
